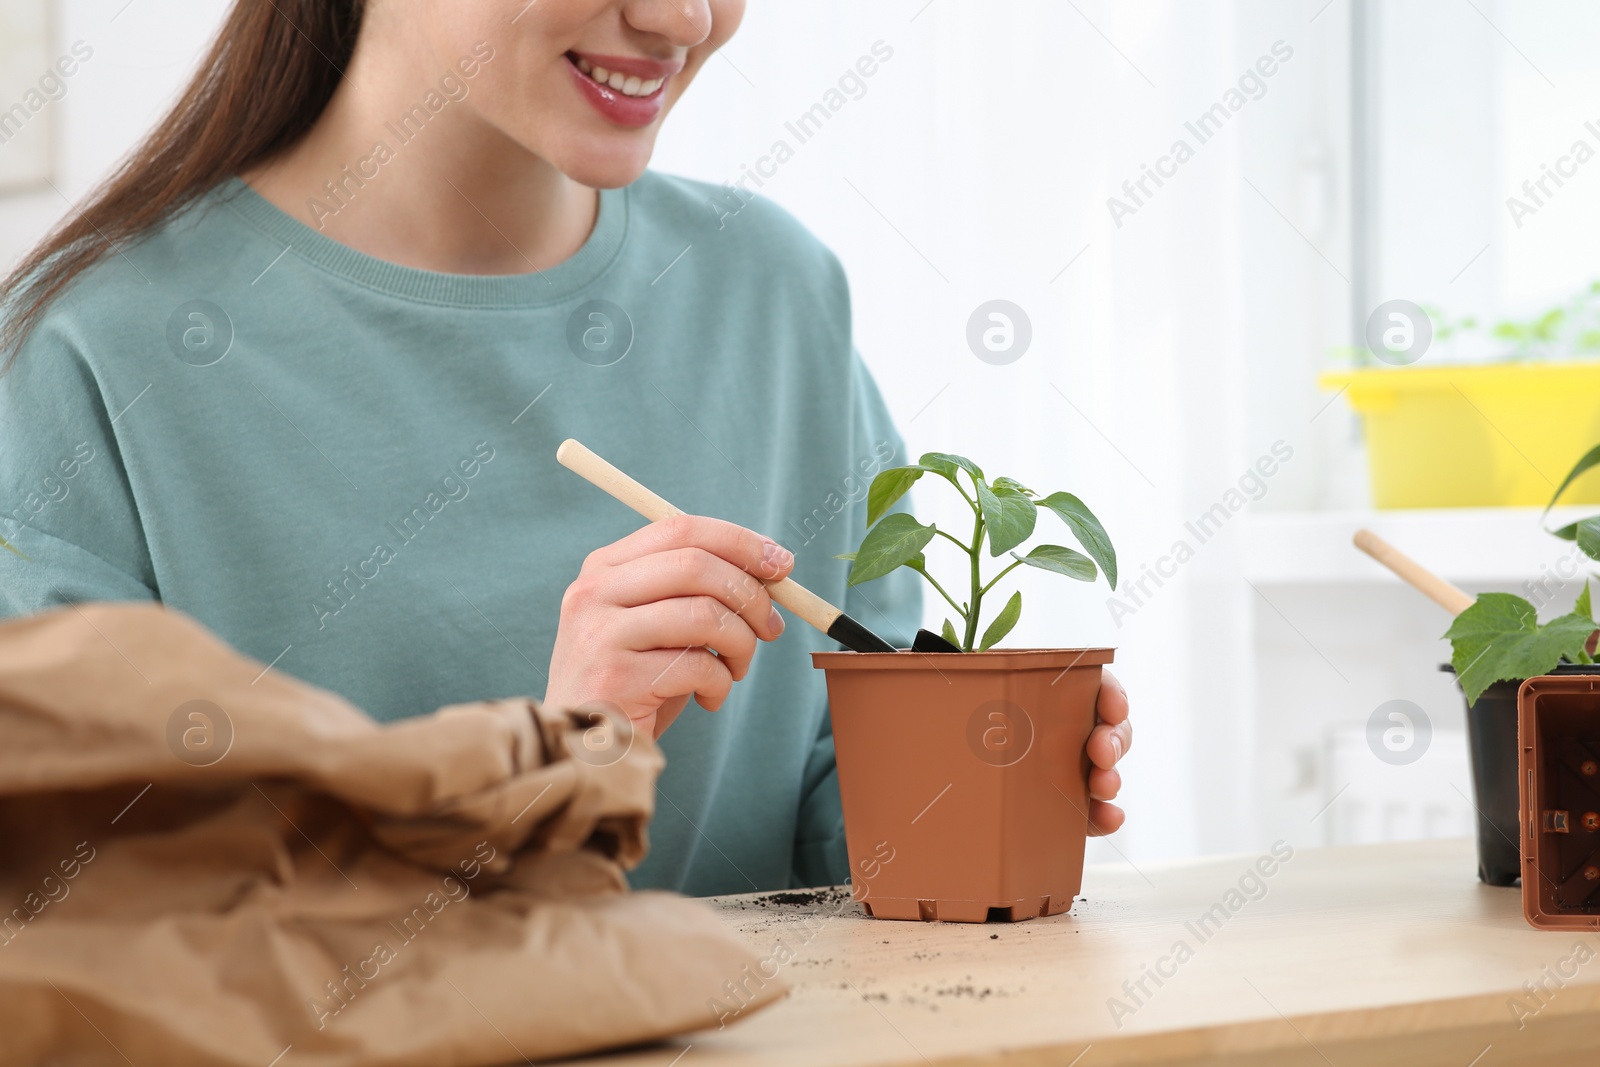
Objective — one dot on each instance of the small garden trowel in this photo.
(797, 598)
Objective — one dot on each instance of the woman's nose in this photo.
(685, 23)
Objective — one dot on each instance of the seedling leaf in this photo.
(1087, 529)
(1012, 483)
(1499, 638)
(888, 487)
(897, 539)
(1008, 517)
(948, 632)
(1061, 560)
(1590, 459)
(1003, 622)
(1588, 537)
(1582, 608)
(947, 464)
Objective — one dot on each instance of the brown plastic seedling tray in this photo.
(1558, 778)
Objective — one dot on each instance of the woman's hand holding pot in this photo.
(1108, 743)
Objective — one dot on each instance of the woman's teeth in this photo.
(626, 84)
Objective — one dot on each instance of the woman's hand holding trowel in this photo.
(639, 625)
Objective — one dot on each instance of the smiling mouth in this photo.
(626, 84)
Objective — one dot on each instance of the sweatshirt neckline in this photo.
(411, 283)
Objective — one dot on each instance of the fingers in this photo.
(1104, 784)
(676, 672)
(1104, 818)
(692, 572)
(1112, 706)
(745, 549)
(689, 622)
(666, 715)
(1113, 736)
(1110, 740)
(1108, 744)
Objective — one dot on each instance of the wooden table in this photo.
(1364, 956)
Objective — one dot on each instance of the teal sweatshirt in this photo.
(346, 469)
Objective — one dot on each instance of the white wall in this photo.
(143, 52)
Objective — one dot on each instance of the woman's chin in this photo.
(606, 165)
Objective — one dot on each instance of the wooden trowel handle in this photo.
(1414, 574)
(579, 459)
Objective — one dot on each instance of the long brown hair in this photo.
(268, 76)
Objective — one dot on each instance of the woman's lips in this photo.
(633, 91)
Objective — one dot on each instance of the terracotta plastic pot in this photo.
(964, 778)
(1558, 744)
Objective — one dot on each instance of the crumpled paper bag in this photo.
(206, 862)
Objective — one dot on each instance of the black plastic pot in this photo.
(1492, 742)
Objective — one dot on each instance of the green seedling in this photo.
(1500, 638)
(1004, 515)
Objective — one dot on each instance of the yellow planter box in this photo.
(1491, 435)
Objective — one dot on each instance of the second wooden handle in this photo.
(1414, 574)
(583, 461)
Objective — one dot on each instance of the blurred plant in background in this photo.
(1570, 330)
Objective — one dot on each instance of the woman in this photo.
(300, 367)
